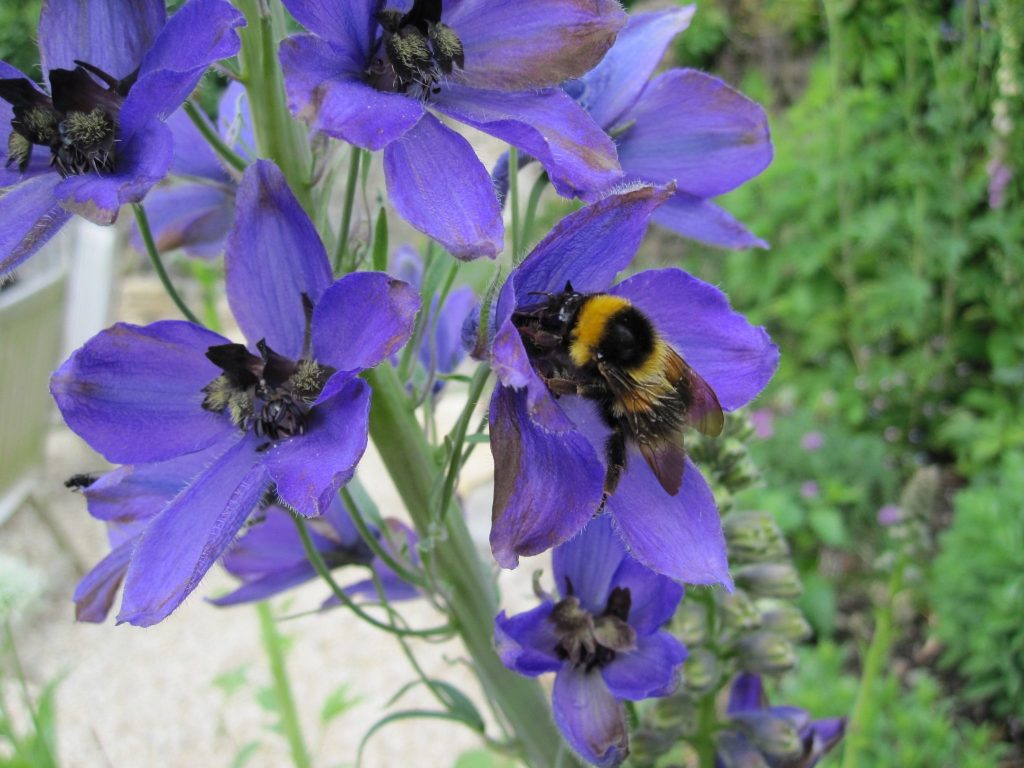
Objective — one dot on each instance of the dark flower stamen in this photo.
(270, 394)
(77, 123)
(418, 49)
(593, 641)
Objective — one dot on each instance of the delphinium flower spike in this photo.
(601, 637)
(580, 361)
(286, 411)
(95, 140)
(372, 75)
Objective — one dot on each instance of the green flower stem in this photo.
(341, 251)
(158, 264)
(325, 573)
(473, 604)
(373, 542)
(273, 644)
(704, 742)
(878, 651)
(41, 731)
(532, 203)
(476, 388)
(214, 139)
(513, 201)
(277, 135)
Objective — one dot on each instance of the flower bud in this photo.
(754, 537)
(764, 652)
(735, 751)
(690, 623)
(784, 619)
(739, 614)
(770, 580)
(677, 714)
(775, 737)
(700, 671)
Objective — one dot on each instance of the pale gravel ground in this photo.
(145, 697)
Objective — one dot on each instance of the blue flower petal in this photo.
(652, 669)
(614, 85)
(274, 256)
(191, 533)
(438, 185)
(528, 518)
(110, 34)
(592, 720)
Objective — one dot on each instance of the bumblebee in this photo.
(604, 349)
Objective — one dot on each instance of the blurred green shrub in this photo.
(977, 589)
(912, 727)
(895, 282)
(18, 22)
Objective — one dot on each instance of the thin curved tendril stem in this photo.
(325, 573)
(458, 437)
(158, 264)
(403, 571)
(531, 204)
(209, 133)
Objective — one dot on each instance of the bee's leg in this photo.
(615, 451)
(560, 386)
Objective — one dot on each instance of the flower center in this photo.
(593, 641)
(77, 122)
(416, 50)
(269, 394)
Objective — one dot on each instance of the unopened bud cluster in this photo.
(753, 629)
(725, 460)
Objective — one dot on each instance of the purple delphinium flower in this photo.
(812, 441)
(781, 737)
(810, 489)
(549, 453)
(371, 75)
(196, 214)
(763, 420)
(602, 639)
(890, 514)
(683, 126)
(288, 411)
(116, 69)
(270, 558)
(441, 348)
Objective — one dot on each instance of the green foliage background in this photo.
(895, 289)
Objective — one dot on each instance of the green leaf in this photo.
(482, 758)
(455, 700)
(232, 681)
(340, 701)
(246, 753)
(828, 523)
(409, 714)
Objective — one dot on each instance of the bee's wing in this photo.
(665, 456)
(667, 460)
(703, 412)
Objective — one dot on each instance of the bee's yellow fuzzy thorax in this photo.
(590, 325)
